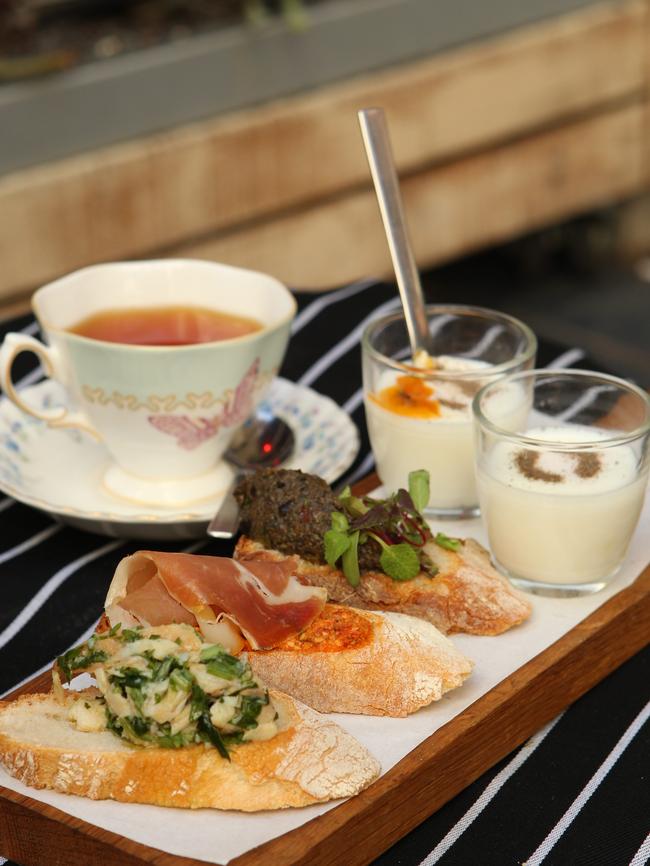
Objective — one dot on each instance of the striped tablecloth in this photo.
(576, 794)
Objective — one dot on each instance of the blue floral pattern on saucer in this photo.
(60, 470)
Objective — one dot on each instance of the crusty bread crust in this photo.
(467, 595)
(407, 665)
(309, 761)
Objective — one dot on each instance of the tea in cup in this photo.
(163, 361)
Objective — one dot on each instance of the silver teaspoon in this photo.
(374, 132)
(262, 442)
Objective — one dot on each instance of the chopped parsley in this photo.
(80, 657)
(197, 695)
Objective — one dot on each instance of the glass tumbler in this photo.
(561, 490)
(419, 417)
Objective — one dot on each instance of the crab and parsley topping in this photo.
(166, 687)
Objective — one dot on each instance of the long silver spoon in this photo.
(264, 441)
(382, 168)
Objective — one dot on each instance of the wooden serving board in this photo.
(36, 834)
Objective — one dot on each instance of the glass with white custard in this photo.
(561, 491)
(419, 409)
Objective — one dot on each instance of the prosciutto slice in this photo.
(261, 599)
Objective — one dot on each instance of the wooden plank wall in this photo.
(492, 140)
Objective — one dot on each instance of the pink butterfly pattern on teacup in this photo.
(190, 431)
(237, 410)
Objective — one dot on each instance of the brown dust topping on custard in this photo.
(527, 462)
(469, 386)
(588, 465)
(451, 404)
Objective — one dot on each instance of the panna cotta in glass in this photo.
(419, 410)
(414, 422)
(562, 495)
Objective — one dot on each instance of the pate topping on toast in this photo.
(375, 554)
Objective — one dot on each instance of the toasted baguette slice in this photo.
(466, 595)
(358, 661)
(309, 761)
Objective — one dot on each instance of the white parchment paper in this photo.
(217, 837)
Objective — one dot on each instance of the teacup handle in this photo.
(12, 346)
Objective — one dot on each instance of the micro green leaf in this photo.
(351, 560)
(336, 543)
(419, 488)
(448, 543)
(400, 561)
(352, 504)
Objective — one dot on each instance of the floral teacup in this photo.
(166, 414)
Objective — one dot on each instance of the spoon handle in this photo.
(382, 168)
(225, 522)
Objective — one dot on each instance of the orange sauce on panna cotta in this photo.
(409, 396)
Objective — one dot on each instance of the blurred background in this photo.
(226, 129)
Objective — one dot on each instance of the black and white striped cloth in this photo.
(576, 794)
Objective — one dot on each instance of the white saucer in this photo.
(60, 471)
